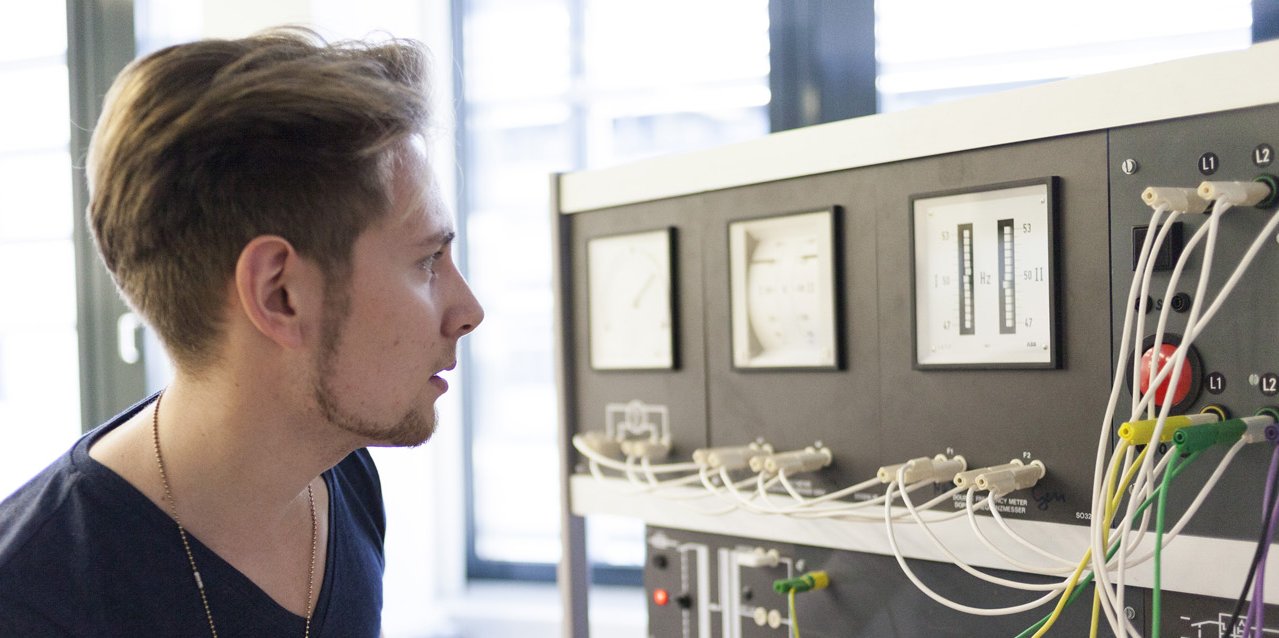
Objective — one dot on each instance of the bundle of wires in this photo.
(1109, 596)
(1254, 622)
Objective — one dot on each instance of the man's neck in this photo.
(238, 466)
(236, 462)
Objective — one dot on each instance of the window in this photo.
(552, 86)
(39, 360)
(928, 61)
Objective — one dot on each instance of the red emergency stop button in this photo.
(1158, 361)
(661, 597)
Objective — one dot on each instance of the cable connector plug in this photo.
(758, 557)
(969, 478)
(1261, 427)
(806, 582)
(938, 469)
(1197, 438)
(809, 459)
(1001, 482)
(646, 449)
(1139, 432)
(1238, 193)
(1260, 432)
(1186, 200)
(600, 443)
(730, 458)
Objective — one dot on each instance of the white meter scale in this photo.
(782, 285)
(632, 323)
(983, 277)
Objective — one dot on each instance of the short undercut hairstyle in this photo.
(203, 146)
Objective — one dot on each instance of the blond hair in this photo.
(203, 146)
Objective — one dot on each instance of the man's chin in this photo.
(412, 431)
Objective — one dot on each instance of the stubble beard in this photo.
(412, 429)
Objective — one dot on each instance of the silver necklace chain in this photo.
(186, 545)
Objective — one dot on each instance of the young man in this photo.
(267, 205)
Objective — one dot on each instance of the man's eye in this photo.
(428, 264)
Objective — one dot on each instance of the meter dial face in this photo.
(783, 292)
(630, 304)
(983, 273)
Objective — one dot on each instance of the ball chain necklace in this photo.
(173, 511)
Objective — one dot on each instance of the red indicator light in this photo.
(661, 597)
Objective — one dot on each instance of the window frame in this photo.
(100, 42)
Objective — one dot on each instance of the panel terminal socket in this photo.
(1273, 183)
(938, 469)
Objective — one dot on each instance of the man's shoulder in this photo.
(66, 537)
(42, 532)
(36, 509)
(68, 498)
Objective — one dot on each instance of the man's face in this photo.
(395, 325)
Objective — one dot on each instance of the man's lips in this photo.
(438, 381)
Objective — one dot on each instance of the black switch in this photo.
(1169, 251)
(659, 561)
(684, 600)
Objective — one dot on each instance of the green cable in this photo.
(1159, 541)
(1083, 583)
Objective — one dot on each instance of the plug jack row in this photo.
(999, 480)
(1262, 192)
(762, 458)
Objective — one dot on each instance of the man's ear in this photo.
(273, 285)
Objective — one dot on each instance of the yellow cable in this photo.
(1096, 611)
(1061, 602)
(1118, 495)
(1113, 498)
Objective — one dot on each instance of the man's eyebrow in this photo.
(442, 238)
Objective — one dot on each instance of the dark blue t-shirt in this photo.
(84, 553)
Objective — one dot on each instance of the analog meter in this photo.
(632, 323)
(985, 290)
(782, 282)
